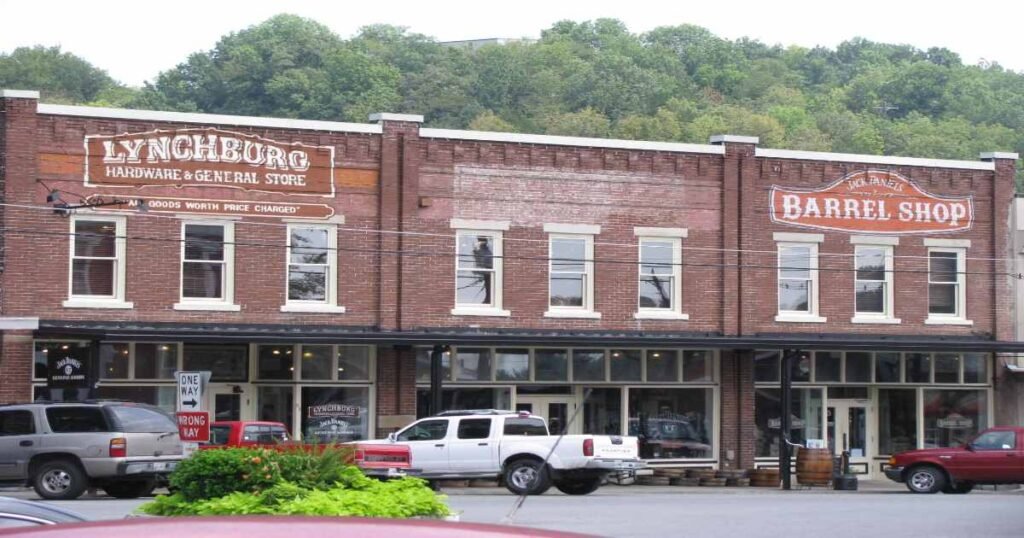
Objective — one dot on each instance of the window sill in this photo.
(208, 307)
(313, 309)
(880, 321)
(482, 312)
(572, 314)
(667, 315)
(799, 318)
(948, 321)
(97, 303)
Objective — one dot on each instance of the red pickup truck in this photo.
(391, 460)
(995, 456)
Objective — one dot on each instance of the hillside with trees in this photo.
(595, 78)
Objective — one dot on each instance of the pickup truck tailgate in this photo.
(615, 447)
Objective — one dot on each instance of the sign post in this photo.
(193, 418)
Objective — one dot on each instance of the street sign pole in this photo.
(193, 418)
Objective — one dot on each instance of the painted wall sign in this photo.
(66, 372)
(208, 157)
(872, 201)
(222, 207)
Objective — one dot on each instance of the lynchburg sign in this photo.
(208, 157)
(872, 201)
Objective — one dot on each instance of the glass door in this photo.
(848, 432)
(228, 402)
(557, 410)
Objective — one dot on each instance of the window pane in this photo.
(662, 366)
(656, 292)
(225, 362)
(588, 365)
(567, 290)
(794, 296)
(156, 361)
(354, 362)
(625, 365)
(428, 430)
(602, 412)
(953, 417)
(858, 367)
(464, 398)
(697, 365)
(114, 361)
(975, 369)
(656, 257)
(919, 367)
(93, 277)
(474, 428)
(309, 245)
(551, 365)
(423, 364)
(568, 255)
(942, 299)
(870, 297)
(473, 364)
(165, 397)
(17, 423)
(800, 367)
(307, 283)
(942, 266)
(947, 368)
(315, 361)
(870, 264)
(45, 351)
(335, 414)
(95, 239)
(887, 367)
(76, 419)
(805, 414)
(202, 280)
(672, 423)
(139, 419)
(766, 366)
(275, 362)
(795, 262)
(275, 404)
(476, 251)
(204, 242)
(474, 287)
(897, 420)
(826, 366)
(512, 365)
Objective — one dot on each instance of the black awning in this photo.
(340, 334)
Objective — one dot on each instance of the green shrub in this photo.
(318, 467)
(210, 474)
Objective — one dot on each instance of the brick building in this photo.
(313, 266)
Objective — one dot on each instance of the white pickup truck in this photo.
(512, 447)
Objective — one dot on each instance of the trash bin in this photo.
(842, 478)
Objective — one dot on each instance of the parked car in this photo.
(513, 446)
(381, 461)
(21, 513)
(60, 449)
(995, 456)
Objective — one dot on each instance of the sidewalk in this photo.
(864, 487)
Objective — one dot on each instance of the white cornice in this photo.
(377, 117)
(19, 94)
(871, 159)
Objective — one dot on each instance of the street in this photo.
(668, 511)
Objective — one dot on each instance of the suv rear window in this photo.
(16, 423)
(138, 419)
(264, 434)
(76, 419)
(525, 426)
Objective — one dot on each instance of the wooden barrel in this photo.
(764, 478)
(814, 466)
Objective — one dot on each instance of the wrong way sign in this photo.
(194, 426)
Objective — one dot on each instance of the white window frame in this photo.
(797, 240)
(330, 303)
(225, 303)
(117, 300)
(492, 229)
(960, 317)
(674, 312)
(888, 310)
(571, 232)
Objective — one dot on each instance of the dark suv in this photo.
(61, 449)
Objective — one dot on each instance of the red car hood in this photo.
(925, 454)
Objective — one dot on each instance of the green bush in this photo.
(210, 474)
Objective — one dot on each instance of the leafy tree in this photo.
(489, 121)
(60, 76)
(587, 122)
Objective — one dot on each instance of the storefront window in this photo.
(512, 364)
(672, 423)
(464, 398)
(919, 367)
(697, 365)
(897, 420)
(805, 418)
(473, 364)
(800, 368)
(588, 365)
(858, 367)
(114, 360)
(315, 362)
(164, 397)
(887, 367)
(335, 414)
(662, 366)
(827, 366)
(156, 361)
(953, 417)
(625, 365)
(225, 362)
(947, 368)
(975, 369)
(602, 412)
(275, 404)
(423, 364)
(275, 362)
(551, 365)
(354, 363)
(766, 366)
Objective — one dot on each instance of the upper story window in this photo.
(946, 284)
(873, 284)
(478, 267)
(798, 277)
(312, 269)
(571, 270)
(97, 272)
(207, 266)
(659, 286)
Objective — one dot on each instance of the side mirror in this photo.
(969, 446)
(392, 437)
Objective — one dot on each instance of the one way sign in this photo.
(190, 390)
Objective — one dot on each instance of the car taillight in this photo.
(360, 455)
(588, 447)
(118, 448)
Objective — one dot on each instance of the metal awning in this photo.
(340, 334)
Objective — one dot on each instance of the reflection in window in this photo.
(315, 362)
(672, 423)
(156, 361)
(335, 414)
(919, 368)
(602, 412)
(512, 364)
(551, 365)
(897, 420)
(662, 366)
(229, 362)
(275, 404)
(887, 367)
(473, 364)
(423, 355)
(588, 365)
(795, 279)
(625, 364)
(766, 366)
(858, 367)
(569, 272)
(953, 417)
(697, 365)
(354, 363)
(464, 398)
(274, 362)
(827, 366)
(975, 367)
(805, 418)
(114, 361)
(947, 368)
(475, 271)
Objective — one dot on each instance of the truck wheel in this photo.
(59, 480)
(579, 486)
(527, 477)
(926, 479)
(130, 489)
(959, 489)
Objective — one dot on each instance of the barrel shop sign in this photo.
(872, 201)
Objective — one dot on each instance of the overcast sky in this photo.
(135, 40)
